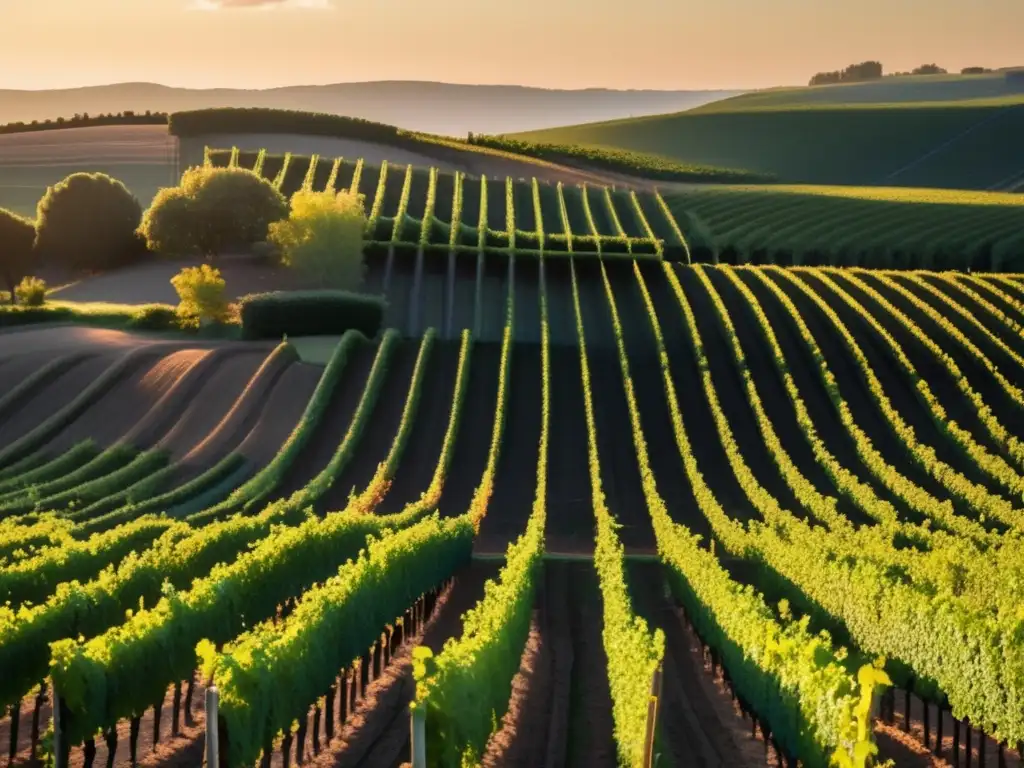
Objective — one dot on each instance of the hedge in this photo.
(309, 313)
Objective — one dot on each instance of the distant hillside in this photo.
(421, 106)
(955, 132)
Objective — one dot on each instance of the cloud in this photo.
(264, 5)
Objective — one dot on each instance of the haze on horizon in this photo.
(658, 44)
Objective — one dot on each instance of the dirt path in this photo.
(52, 395)
(475, 426)
(128, 400)
(376, 735)
(335, 424)
(515, 482)
(212, 401)
(380, 431)
(282, 409)
(694, 731)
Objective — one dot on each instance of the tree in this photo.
(323, 238)
(201, 293)
(213, 209)
(974, 70)
(855, 73)
(929, 69)
(17, 235)
(88, 221)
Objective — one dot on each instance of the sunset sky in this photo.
(670, 44)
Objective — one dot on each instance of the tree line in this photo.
(872, 70)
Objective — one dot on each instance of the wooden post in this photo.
(652, 717)
(58, 732)
(418, 738)
(478, 297)
(212, 732)
(15, 718)
(389, 266)
(449, 304)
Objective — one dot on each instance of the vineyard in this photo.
(593, 511)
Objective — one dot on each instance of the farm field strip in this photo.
(898, 553)
(398, 215)
(972, 493)
(992, 463)
(735, 621)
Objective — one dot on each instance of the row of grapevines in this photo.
(564, 214)
(972, 493)
(31, 384)
(993, 464)
(465, 690)
(258, 488)
(1009, 290)
(538, 214)
(332, 179)
(233, 160)
(431, 497)
(135, 502)
(1003, 287)
(963, 284)
(378, 199)
(590, 217)
(278, 181)
(261, 158)
(35, 578)
(482, 494)
(428, 211)
(481, 227)
(25, 500)
(357, 177)
(634, 653)
(318, 487)
(87, 609)
(403, 207)
(45, 431)
(920, 280)
(20, 539)
(144, 467)
(674, 224)
(849, 585)
(793, 680)
(916, 497)
(614, 216)
(456, 223)
(638, 211)
(510, 211)
(122, 672)
(77, 456)
(271, 675)
(307, 182)
(379, 484)
(927, 565)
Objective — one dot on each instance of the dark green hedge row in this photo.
(309, 313)
(86, 120)
(620, 160)
(199, 122)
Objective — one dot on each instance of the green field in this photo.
(954, 132)
(853, 226)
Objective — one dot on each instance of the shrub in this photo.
(201, 290)
(16, 237)
(212, 210)
(31, 291)
(154, 317)
(323, 238)
(88, 221)
(309, 313)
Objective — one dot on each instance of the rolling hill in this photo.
(442, 108)
(954, 132)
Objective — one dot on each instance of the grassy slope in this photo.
(951, 131)
(854, 225)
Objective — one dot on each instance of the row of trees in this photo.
(872, 70)
(84, 119)
(91, 222)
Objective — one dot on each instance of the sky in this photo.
(661, 44)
